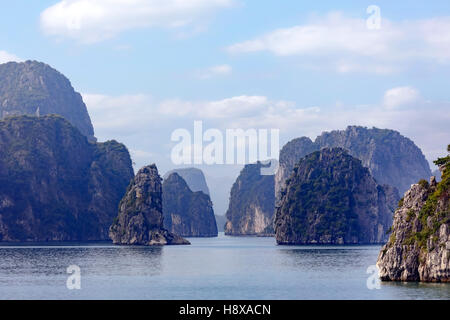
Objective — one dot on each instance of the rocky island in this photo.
(140, 220)
(187, 213)
(419, 246)
(331, 198)
(392, 160)
(252, 203)
(55, 185)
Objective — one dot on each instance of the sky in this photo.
(147, 68)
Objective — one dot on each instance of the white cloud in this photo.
(138, 120)
(400, 96)
(141, 156)
(7, 57)
(347, 45)
(91, 21)
(219, 70)
(125, 114)
(231, 108)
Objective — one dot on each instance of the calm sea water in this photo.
(211, 268)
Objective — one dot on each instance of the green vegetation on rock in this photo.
(55, 184)
(331, 198)
(421, 229)
(34, 88)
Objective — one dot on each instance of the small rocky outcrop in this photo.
(391, 158)
(140, 220)
(187, 213)
(330, 198)
(419, 246)
(34, 88)
(252, 203)
(55, 185)
(194, 178)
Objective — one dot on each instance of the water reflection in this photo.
(418, 290)
(323, 258)
(53, 261)
(220, 268)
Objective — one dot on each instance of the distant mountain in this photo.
(220, 187)
(418, 248)
(330, 198)
(437, 173)
(194, 178)
(55, 185)
(221, 220)
(252, 202)
(390, 157)
(31, 88)
(187, 213)
(140, 218)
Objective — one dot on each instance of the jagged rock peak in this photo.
(140, 219)
(391, 158)
(194, 178)
(34, 88)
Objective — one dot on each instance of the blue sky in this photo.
(161, 61)
(303, 67)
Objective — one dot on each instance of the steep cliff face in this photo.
(252, 203)
(290, 154)
(140, 219)
(419, 246)
(194, 178)
(187, 213)
(330, 198)
(391, 158)
(54, 184)
(32, 87)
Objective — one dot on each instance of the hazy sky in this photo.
(146, 68)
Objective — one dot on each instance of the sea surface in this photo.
(210, 268)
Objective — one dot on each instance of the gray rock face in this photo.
(419, 246)
(187, 213)
(32, 87)
(330, 198)
(140, 219)
(391, 158)
(252, 203)
(54, 184)
(194, 178)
